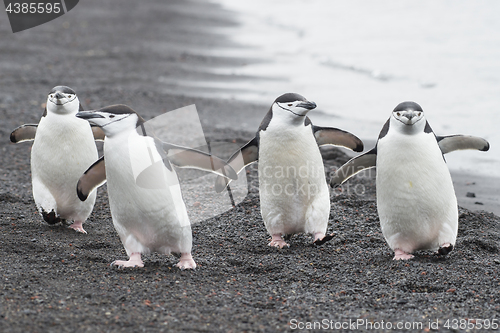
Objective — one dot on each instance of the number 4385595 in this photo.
(33, 8)
(463, 324)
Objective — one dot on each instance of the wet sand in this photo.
(56, 280)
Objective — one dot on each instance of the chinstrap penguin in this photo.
(63, 149)
(416, 200)
(294, 195)
(145, 198)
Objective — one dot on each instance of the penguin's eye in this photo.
(290, 104)
(69, 96)
(398, 114)
(112, 116)
(51, 96)
(419, 114)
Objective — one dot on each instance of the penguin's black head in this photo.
(62, 89)
(408, 113)
(294, 104)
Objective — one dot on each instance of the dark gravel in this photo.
(56, 280)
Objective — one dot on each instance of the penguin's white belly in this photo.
(416, 201)
(146, 219)
(63, 149)
(294, 196)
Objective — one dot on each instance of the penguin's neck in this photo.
(61, 110)
(64, 122)
(283, 120)
(414, 129)
(120, 135)
(69, 108)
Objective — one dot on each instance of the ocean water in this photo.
(358, 59)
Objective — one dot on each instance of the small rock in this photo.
(478, 203)
(470, 195)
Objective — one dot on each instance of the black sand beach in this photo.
(56, 280)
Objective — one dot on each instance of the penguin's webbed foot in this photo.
(134, 261)
(186, 262)
(277, 241)
(401, 255)
(51, 218)
(320, 238)
(445, 249)
(78, 227)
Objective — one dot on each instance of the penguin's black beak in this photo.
(307, 105)
(409, 114)
(88, 115)
(58, 95)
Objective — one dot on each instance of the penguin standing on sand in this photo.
(145, 198)
(294, 195)
(416, 200)
(63, 149)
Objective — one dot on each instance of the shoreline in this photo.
(477, 193)
(54, 279)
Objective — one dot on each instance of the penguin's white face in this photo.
(290, 109)
(62, 100)
(294, 108)
(408, 117)
(113, 119)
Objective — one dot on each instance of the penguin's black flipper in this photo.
(244, 156)
(353, 166)
(249, 154)
(94, 177)
(451, 143)
(23, 133)
(336, 137)
(184, 157)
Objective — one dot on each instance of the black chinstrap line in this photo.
(408, 124)
(69, 101)
(300, 115)
(114, 121)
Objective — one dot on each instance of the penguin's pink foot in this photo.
(445, 249)
(134, 261)
(277, 241)
(78, 227)
(320, 238)
(401, 255)
(186, 262)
